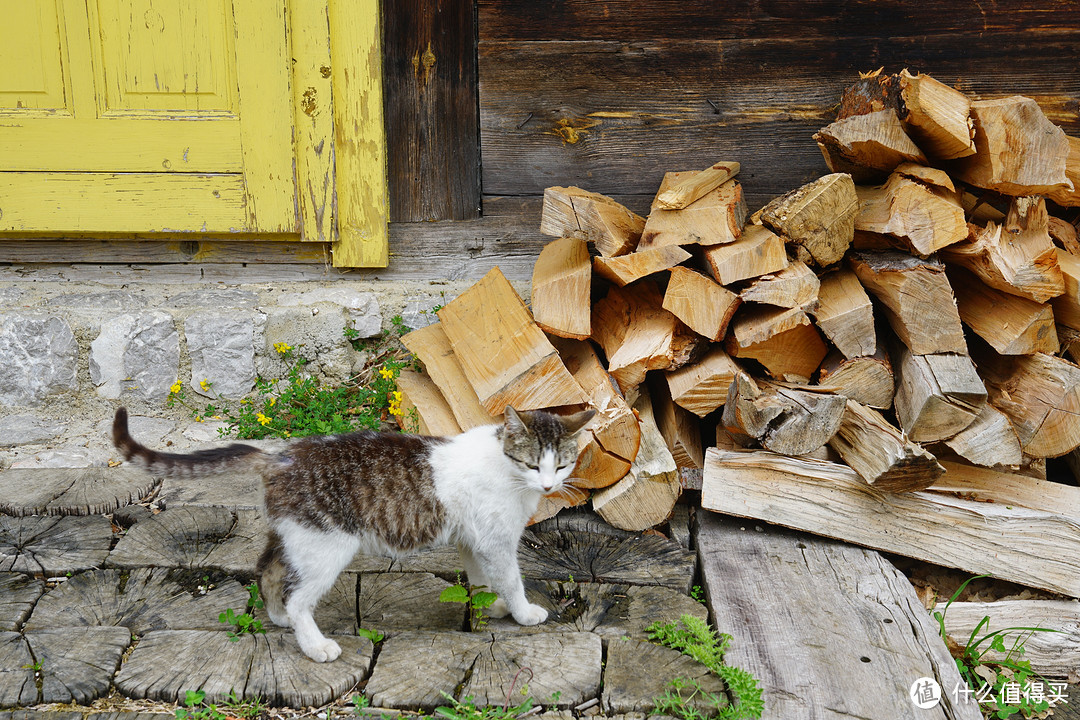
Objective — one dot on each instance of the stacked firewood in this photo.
(908, 309)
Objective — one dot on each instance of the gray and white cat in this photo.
(328, 497)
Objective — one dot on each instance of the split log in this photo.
(18, 596)
(1069, 198)
(696, 186)
(875, 140)
(573, 212)
(757, 252)
(867, 379)
(506, 357)
(53, 545)
(937, 117)
(72, 491)
(703, 386)
(637, 334)
(1067, 305)
(625, 269)
(921, 216)
(786, 420)
(1037, 548)
(844, 313)
(568, 497)
(1041, 395)
(431, 346)
(704, 306)
(937, 395)
(1063, 234)
(76, 664)
(1008, 488)
(880, 453)
(421, 395)
(681, 428)
(396, 601)
(784, 341)
(193, 538)
(1017, 257)
(636, 673)
(818, 218)
(989, 440)
(917, 300)
(561, 284)
(1013, 325)
(796, 286)
(1018, 151)
(646, 496)
(714, 218)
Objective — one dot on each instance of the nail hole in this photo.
(887, 620)
(865, 659)
(801, 546)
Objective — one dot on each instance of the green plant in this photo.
(196, 709)
(244, 622)
(476, 599)
(466, 709)
(693, 637)
(683, 698)
(373, 635)
(35, 666)
(1001, 684)
(698, 593)
(360, 702)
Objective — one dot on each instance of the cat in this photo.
(328, 497)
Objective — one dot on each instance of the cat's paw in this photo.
(324, 650)
(531, 615)
(498, 609)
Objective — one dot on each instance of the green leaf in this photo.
(483, 599)
(372, 635)
(454, 593)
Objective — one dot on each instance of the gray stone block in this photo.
(136, 353)
(314, 333)
(111, 300)
(361, 308)
(419, 311)
(217, 298)
(27, 429)
(222, 350)
(38, 357)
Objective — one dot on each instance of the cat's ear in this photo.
(574, 423)
(513, 421)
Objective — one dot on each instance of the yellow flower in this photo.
(273, 401)
(204, 384)
(386, 373)
(263, 420)
(175, 389)
(282, 348)
(396, 397)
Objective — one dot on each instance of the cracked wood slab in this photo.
(71, 491)
(636, 672)
(234, 490)
(73, 664)
(390, 602)
(194, 537)
(141, 600)
(845, 639)
(53, 545)
(18, 593)
(415, 668)
(167, 663)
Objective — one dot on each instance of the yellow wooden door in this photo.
(145, 116)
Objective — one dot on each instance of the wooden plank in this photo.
(881, 638)
(429, 60)
(360, 146)
(1007, 488)
(829, 499)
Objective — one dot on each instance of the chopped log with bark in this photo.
(937, 117)
(868, 379)
(1040, 394)
(628, 268)
(873, 140)
(432, 347)
(916, 297)
(829, 499)
(1013, 325)
(922, 217)
(716, 217)
(757, 252)
(637, 334)
(646, 496)
(844, 313)
(796, 286)
(433, 414)
(703, 386)
(1018, 151)
(937, 395)
(506, 357)
(784, 341)
(880, 453)
(692, 188)
(818, 218)
(704, 306)
(1017, 257)
(1070, 198)
(573, 212)
(561, 284)
(786, 420)
(989, 440)
(681, 428)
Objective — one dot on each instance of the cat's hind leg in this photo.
(273, 580)
(315, 558)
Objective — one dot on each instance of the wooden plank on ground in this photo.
(847, 636)
(1037, 548)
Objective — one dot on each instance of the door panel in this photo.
(31, 58)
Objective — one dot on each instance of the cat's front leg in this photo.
(477, 578)
(501, 568)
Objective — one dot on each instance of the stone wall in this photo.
(72, 352)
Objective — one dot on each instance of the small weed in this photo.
(466, 709)
(698, 593)
(35, 666)
(196, 709)
(360, 702)
(244, 622)
(693, 637)
(373, 635)
(684, 697)
(475, 598)
(1002, 686)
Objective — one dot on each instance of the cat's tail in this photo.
(232, 458)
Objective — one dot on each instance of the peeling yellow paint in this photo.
(612, 114)
(570, 131)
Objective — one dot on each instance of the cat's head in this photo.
(543, 446)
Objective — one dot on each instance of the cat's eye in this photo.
(532, 467)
